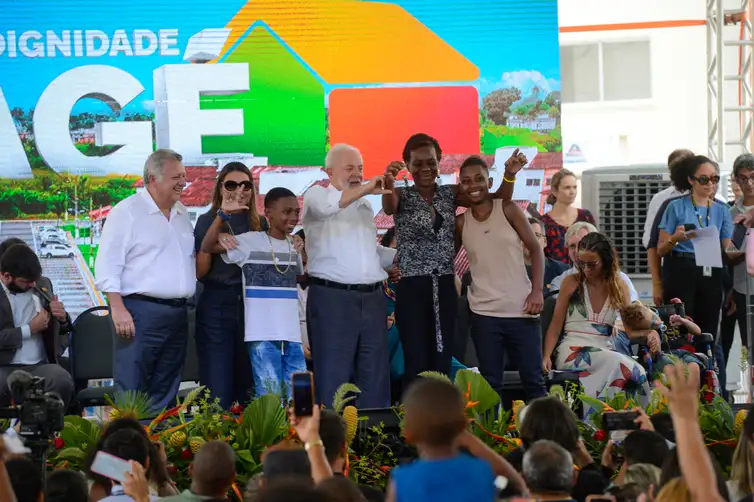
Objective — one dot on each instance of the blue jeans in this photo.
(492, 336)
(273, 363)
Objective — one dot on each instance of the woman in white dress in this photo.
(585, 312)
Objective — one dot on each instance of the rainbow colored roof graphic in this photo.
(389, 76)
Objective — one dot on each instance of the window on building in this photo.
(606, 71)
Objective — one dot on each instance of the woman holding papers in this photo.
(689, 273)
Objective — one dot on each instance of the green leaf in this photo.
(340, 400)
(246, 456)
(263, 421)
(480, 391)
(73, 453)
(436, 375)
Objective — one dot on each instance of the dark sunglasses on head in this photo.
(705, 180)
(587, 264)
(232, 186)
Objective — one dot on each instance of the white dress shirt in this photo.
(143, 252)
(341, 244)
(24, 307)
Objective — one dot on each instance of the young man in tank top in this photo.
(505, 304)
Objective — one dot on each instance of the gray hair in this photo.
(743, 161)
(548, 468)
(643, 475)
(155, 164)
(578, 227)
(332, 155)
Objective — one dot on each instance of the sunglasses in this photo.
(587, 264)
(232, 186)
(705, 180)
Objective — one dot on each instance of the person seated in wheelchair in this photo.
(666, 339)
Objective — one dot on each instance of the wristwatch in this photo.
(223, 215)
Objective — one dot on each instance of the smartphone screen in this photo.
(110, 466)
(620, 420)
(739, 233)
(689, 227)
(303, 394)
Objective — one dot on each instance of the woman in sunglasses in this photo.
(586, 311)
(699, 288)
(223, 360)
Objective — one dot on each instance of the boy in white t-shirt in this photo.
(270, 262)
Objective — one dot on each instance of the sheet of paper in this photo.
(707, 247)
(386, 255)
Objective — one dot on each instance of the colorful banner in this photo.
(91, 88)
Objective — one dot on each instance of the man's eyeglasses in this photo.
(232, 186)
(745, 180)
(538, 235)
(705, 180)
(587, 264)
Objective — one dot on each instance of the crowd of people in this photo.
(335, 300)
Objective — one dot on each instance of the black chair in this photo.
(91, 356)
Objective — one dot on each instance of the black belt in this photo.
(362, 288)
(170, 302)
(683, 254)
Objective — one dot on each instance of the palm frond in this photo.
(131, 403)
(191, 396)
(341, 398)
(436, 375)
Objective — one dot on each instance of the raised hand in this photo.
(391, 173)
(232, 203)
(376, 186)
(516, 162)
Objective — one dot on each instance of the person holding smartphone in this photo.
(699, 288)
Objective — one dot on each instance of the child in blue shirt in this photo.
(435, 421)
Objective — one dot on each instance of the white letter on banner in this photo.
(114, 87)
(179, 121)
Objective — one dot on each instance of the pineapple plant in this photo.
(177, 439)
(195, 443)
(129, 404)
(738, 425)
(351, 418)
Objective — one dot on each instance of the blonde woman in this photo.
(563, 191)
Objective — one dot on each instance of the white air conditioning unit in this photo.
(618, 197)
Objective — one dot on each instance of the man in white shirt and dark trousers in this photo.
(34, 326)
(346, 308)
(146, 267)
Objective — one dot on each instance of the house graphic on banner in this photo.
(385, 74)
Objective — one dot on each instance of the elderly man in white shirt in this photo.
(146, 267)
(346, 308)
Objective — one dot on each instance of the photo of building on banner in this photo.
(87, 95)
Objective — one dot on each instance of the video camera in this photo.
(40, 414)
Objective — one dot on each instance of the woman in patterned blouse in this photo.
(563, 190)
(426, 298)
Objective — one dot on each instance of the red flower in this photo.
(236, 409)
(708, 396)
(600, 435)
(187, 454)
(172, 470)
(59, 443)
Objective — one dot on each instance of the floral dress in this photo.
(556, 244)
(589, 348)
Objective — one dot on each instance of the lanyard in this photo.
(696, 210)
